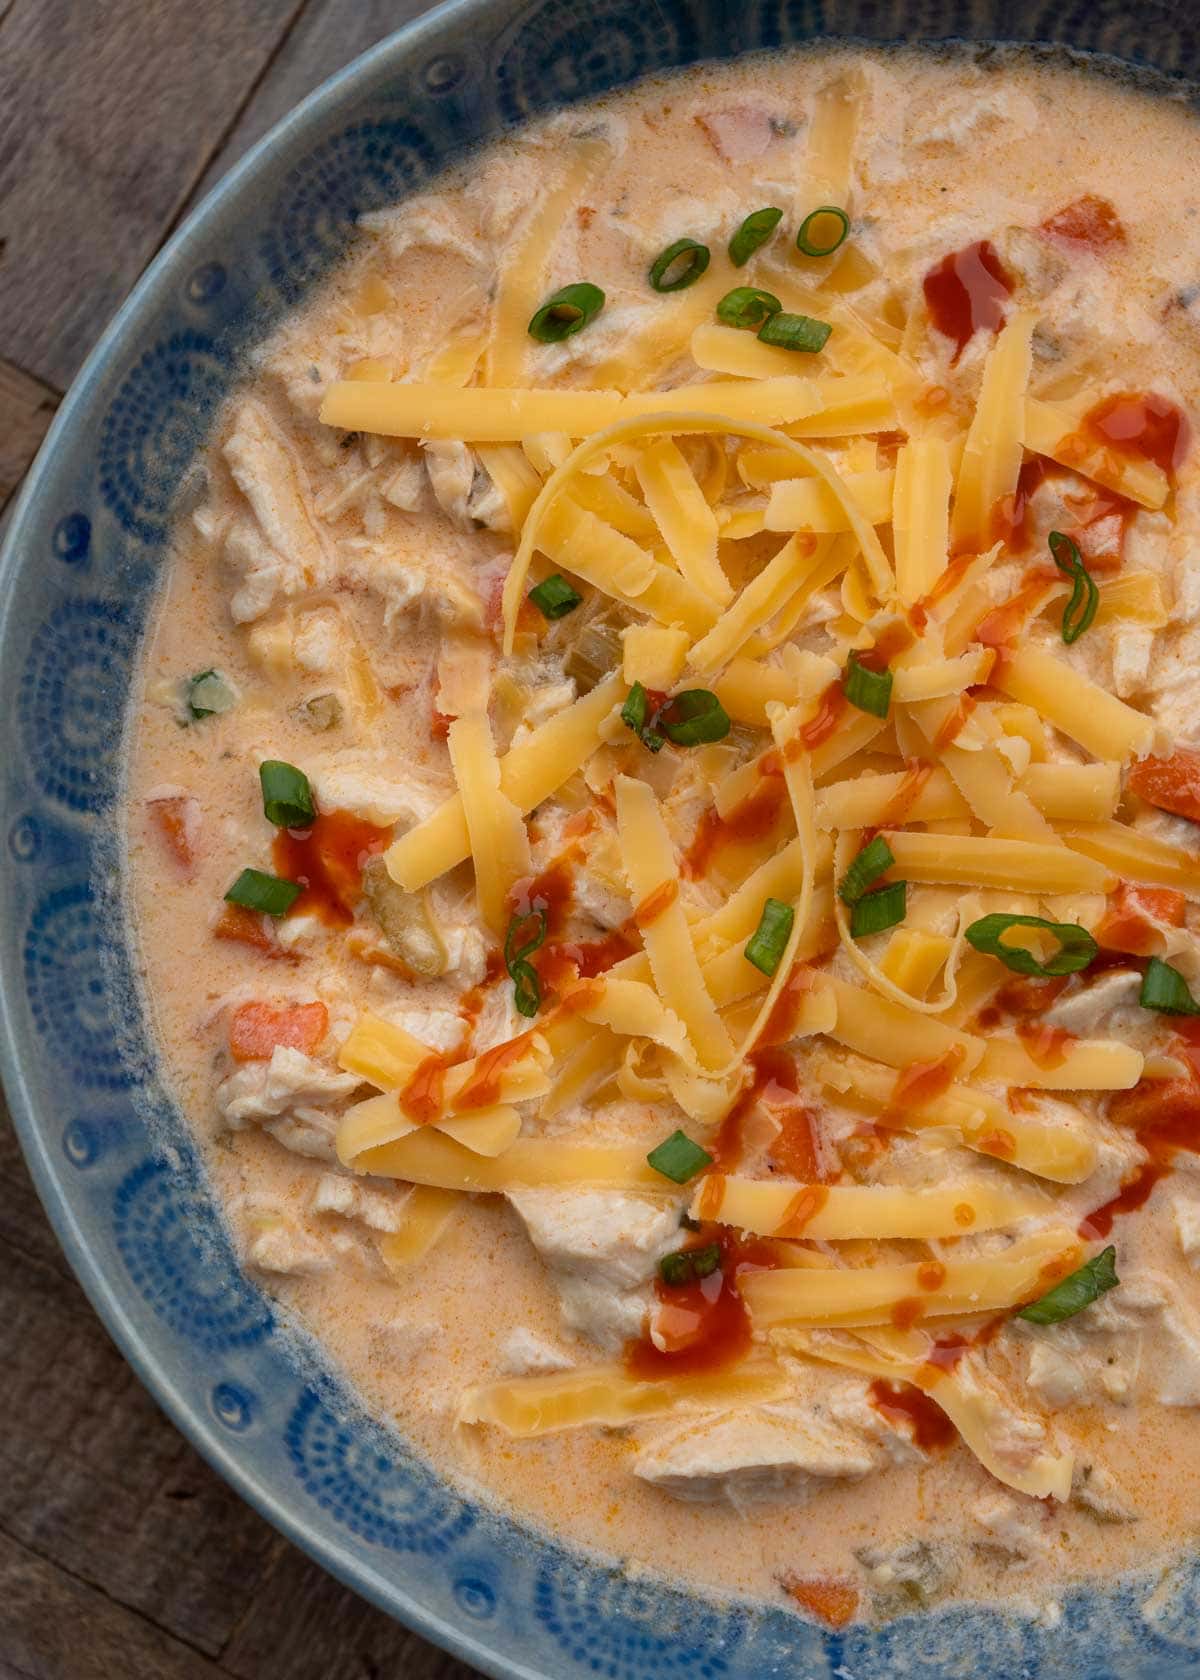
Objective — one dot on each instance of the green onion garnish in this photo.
(525, 934)
(794, 332)
(1165, 989)
(687, 1265)
(870, 691)
(568, 311)
(875, 912)
(287, 797)
(554, 597)
(1080, 610)
(810, 240)
(686, 260)
(754, 231)
(747, 306)
(635, 715)
(770, 937)
(678, 1158)
(1093, 1279)
(208, 693)
(1078, 948)
(868, 866)
(693, 717)
(258, 891)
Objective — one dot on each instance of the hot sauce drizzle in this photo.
(327, 860)
(1141, 424)
(900, 1401)
(967, 291)
(752, 818)
(704, 1325)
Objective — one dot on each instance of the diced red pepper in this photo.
(177, 819)
(256, 1029)
(1173, 784)
(1134, 921)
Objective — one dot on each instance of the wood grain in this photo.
(122, 1555)
(53, 1627)
(328, 35)
(26, 409)
(109, 114)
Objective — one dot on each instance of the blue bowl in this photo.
(112, 1156)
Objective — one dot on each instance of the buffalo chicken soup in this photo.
(664, 826)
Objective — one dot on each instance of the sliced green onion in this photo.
(770, 937)
(686, 258)
(809, 239)
(687, 1265)
(257, 891)
(208, 694)
(287, 797)
(678, 1158)
(527, 988)
(875, 912)
(868, 866)
(554, 597)
(321, 712)
(635, 715)
(1080, 610)
(1078, 948)
(1093, 1279)
(747, 306)
(754, 231)
(568, 311)
(870, 691)
(794, 332)
(693, 717)
(526, 933)
(1165, 989)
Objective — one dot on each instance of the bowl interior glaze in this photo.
(110, 1152)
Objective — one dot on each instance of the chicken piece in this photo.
(524, 1353)
(276, 548)
(1095, 1488)
(380, 1209)
(739, 134)
(1185, 1211)
(271, 1239)
(462, 489)
(1015, 1529)
(601, 1248)
(754, 1456)
(914, 1573)
(347, 784)
(294, 1098)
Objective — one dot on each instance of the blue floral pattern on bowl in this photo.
(113, 1157)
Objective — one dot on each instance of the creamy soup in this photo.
(662, 826)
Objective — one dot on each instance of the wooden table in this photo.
(122, 1555)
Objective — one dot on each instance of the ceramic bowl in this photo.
(112, 1156)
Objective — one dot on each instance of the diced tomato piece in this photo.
(1086, 221)
(831, 1601)
(177, 818)
(246, 927)
(1173, 784)
(257, 1029)
(1134, 921)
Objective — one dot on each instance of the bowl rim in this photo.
(386, 1592)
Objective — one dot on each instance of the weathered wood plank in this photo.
(304, 1626)
(328, 35)
(92, 1476)
(26, 409)
(55, 1628)
(108, 116)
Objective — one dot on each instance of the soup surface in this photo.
(663, 828)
